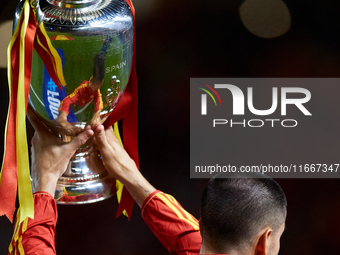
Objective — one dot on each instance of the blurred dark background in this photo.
(177, 40)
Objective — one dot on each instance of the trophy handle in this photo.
(35, 7)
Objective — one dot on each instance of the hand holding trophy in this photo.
(84, 49)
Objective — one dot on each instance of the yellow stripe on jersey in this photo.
(100, 100)
(82, 85)
(172, 206)
(188, 215)
(172, 199)
(75, 91)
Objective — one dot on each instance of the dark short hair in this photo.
(234, 210)
(98, 67)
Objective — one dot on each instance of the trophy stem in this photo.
(85, 180)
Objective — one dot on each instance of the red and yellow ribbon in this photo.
(15, 167)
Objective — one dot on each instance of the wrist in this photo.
(128, 173)
(137, 185)
(46, 183)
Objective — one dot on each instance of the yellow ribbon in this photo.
(24, 181)
(119, 185)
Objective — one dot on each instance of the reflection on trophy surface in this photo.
(94, 40)
(85, 93)
(113, 93)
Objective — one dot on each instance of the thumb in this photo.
(100, 136)
(80, 139)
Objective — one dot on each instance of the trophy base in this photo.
(85, 181)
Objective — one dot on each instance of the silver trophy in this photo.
(94, 39)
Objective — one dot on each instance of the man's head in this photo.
(95, 84)
(243, 215)
(98, 71)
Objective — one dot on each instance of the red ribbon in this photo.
(46, 58)
(9, 178)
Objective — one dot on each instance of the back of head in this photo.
(99, 67)
(234, 210)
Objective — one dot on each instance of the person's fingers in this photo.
(80, 139)
(96, 125)
(100, 136)
(69, 130)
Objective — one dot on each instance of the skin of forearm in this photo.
(136, 184)
(45, 183)
(120, 165)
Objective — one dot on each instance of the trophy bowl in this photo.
(94, 39)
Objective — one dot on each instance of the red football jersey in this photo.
(36, 236)
(177, 229)
(81, 96)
